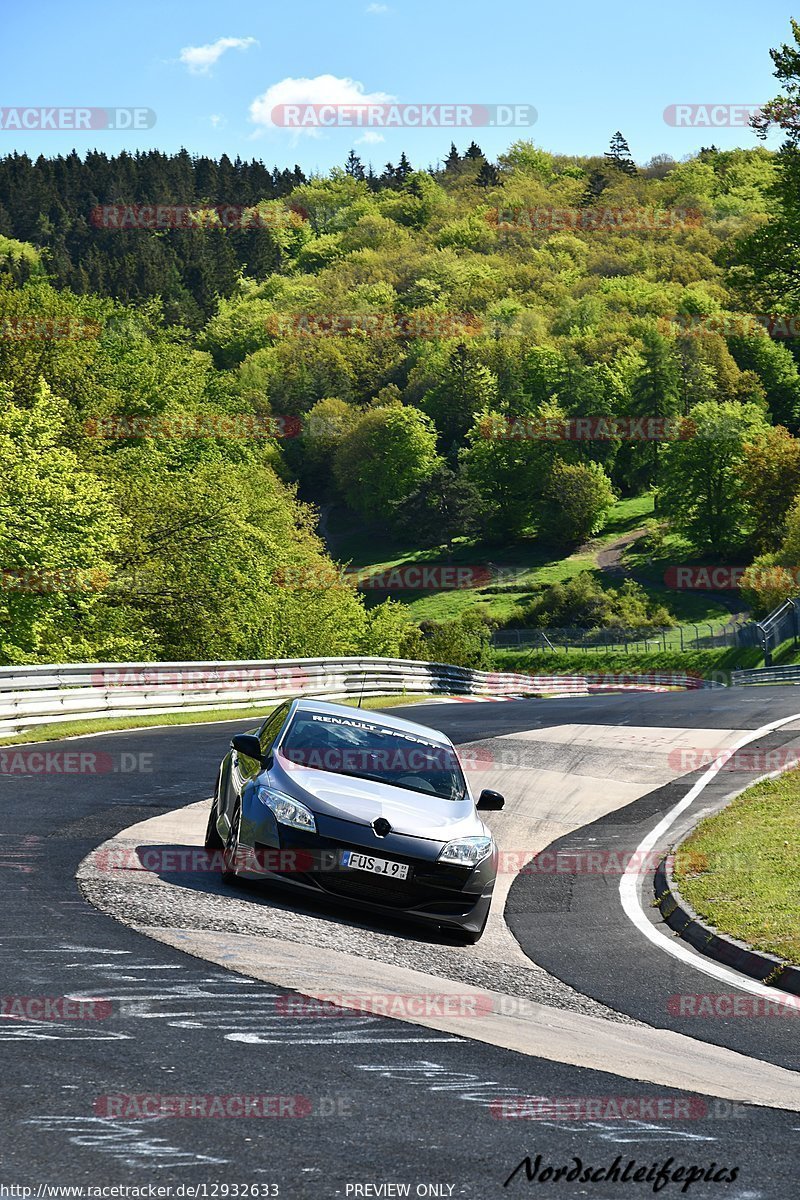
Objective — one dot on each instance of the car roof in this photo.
(375, 718)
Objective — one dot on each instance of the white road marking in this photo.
(629, 887)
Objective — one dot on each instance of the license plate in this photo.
(376, 866)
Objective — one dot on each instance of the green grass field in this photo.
(536, 565)
(738, 869)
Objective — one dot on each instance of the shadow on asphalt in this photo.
(280, 897)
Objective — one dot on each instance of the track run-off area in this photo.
(198, 988)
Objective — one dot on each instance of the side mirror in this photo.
(249, 745)
(490, 800)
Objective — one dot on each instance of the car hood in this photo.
(362, 801)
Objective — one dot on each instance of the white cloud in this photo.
(200, 59)
(370, 138)
(322, 89)
(217, 121)
(377, 9)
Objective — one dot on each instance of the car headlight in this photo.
(467, 852)
(288, 811)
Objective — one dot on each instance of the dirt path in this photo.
(608, 559)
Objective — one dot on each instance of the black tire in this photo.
(213, 841)
(230, 851)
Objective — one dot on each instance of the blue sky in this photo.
(588, 68)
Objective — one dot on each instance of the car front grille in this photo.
(359, 885)
(430, 884)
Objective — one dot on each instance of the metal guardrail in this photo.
(790, 674)
(35, 695)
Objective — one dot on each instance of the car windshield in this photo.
(353, 746)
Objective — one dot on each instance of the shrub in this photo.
(463, 642)
(583, 601)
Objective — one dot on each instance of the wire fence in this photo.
(701, 635)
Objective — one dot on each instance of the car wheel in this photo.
(230, 850)
(213, 840)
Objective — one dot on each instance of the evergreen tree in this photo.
(443, 507)
(354, 166)
(655, 392)
(473, 151)
(464, 387)
(453, 160)
(619, 155)
(597, 183)
(404, 169)
(487, 176)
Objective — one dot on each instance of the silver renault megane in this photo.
(360, 807)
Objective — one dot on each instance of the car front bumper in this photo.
(448, 895)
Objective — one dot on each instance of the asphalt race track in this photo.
(371, 1100)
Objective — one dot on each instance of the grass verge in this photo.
(64, 729)
(738, 869)
(711, 664)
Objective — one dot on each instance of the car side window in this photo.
(272, 727)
